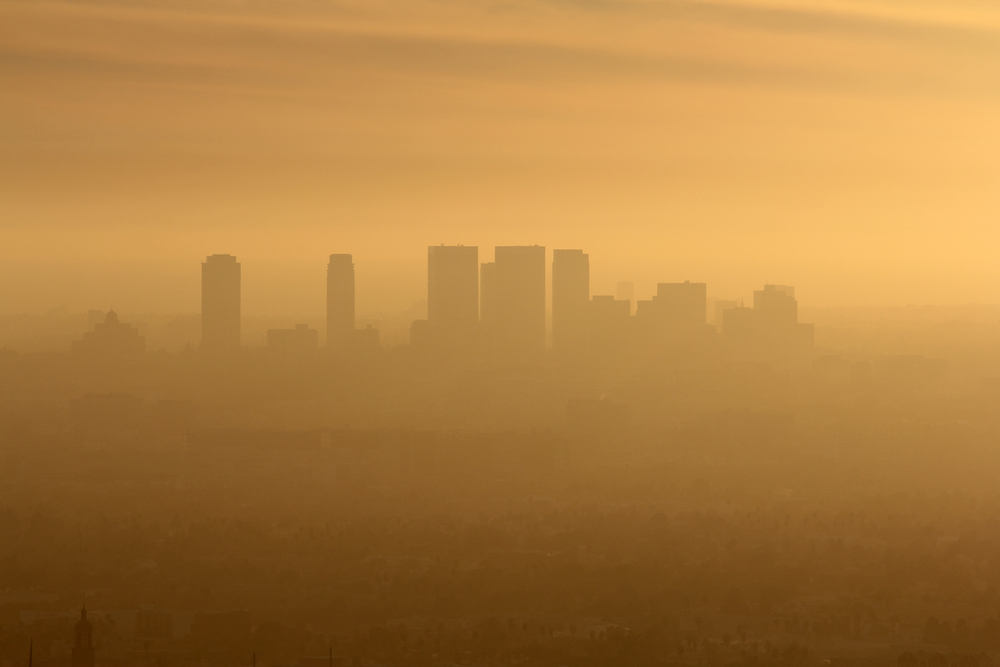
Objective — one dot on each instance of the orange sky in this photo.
(849, 148)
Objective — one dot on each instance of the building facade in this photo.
(220, 303)
(570, 302)
(520, 304)
(340, 312)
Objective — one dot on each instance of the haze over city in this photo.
(495, 333)
(849, 148)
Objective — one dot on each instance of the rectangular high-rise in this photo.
(626, 292)
(220, 303)
(488, 295)
(299, 340)
(570, 301)
(770, 331)
(340, 302)
(487, 308)
(520, 303)
(452, 293)
(609, 326)
(674, 321)
(776, 306)
(684, 306)
(720, 307)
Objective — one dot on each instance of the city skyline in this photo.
(611, 286)
(513, 314)
(499, 333)
(461, 299)
(845, 147)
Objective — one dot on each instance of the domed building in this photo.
(111, 338)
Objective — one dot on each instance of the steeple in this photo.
(83, 647)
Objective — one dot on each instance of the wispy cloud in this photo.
(542, 42)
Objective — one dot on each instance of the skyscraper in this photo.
(721, 306)
(626, 292)
(488, 294)
(299, 340)
(776, 306)
(220, 303)
(770, 331)
(609, 326)
(684, 305)
(340, 302)
(675, 320)
(520, 303)
(570, 301)
(777, 311)
(83, 644)
(488, 307)
(453, 294)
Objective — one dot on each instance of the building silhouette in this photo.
(488, 306)
(453, 296)
(110, 338)
(340, 303)
(683, 306)
(741, 334)
(83, 644)
(520, 303)
(770, 331)
(220, 303)
(570, 302)
(367, 341)
(610, 321)
(776, 306)
(785, 340)
(299, 340)
(720, 307)
(626, 292)
(674, 320)
(499, 309)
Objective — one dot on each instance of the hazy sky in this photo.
(849, 148)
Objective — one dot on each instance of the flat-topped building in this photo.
(520, 303)
(570, 302)
(340, 302)
(220, 303)
(453, 294)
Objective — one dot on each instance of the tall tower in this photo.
(340, 302)
(626, 292)
(570, 301)
(220, 303)
(453, 293)
(488, 294)
(684, 306)
(488, 307)
(520, 303)
(776, 306)
(83, 645)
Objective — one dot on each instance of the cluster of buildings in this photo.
(497, 311)
(220, 310)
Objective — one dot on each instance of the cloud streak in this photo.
(229, 50)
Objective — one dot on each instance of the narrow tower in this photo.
(453, 296)
(83, 646)
(340, 303)
(520, 304)
(220, 303)
(570, 302)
